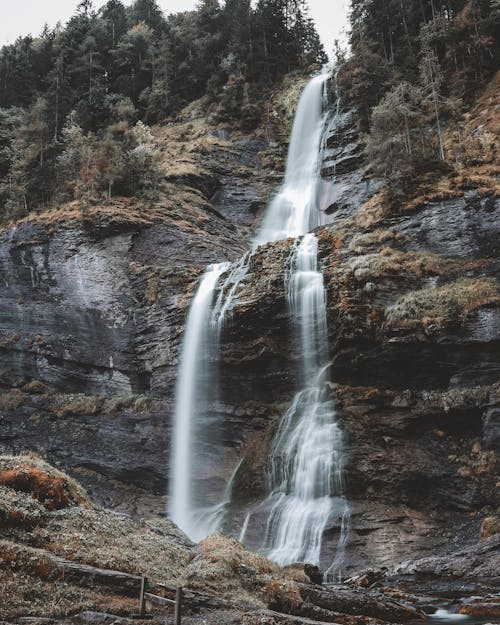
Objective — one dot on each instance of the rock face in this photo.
(91, 319)
(92, 308)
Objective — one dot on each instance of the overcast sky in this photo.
(23, 17)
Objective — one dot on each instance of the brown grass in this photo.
(375, 210)
(445, 305)
(391, 262)
(376, 238)
(30, 585)
(45, 508)
(102, 539)
(18, 509)
(64, 405)
(471, 148)
(225, 567)
(11, 400)
(30, 474)
(489, 527)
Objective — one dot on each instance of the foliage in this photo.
(75, 101)
(412, 65)
(30, 474)
(446, 306)
(224, 566)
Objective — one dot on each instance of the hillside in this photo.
(99, 268)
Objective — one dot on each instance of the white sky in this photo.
(23, 17)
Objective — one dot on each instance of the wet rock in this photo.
(221, 133)
(101, 618)
(485, 607)
(343, 187)
(358, 602)
(491, 429)
(467, 226)
(480, 561)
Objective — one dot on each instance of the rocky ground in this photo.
(92, 308)
(63, 559)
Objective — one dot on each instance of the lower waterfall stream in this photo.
(305, 467)
(304, 475)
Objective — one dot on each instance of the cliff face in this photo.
(92, 312)
(92, 308)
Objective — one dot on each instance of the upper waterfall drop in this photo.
(293, 210)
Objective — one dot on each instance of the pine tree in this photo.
(396, 127)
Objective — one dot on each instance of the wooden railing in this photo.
(146, 596)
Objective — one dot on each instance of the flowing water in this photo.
(293, 211)
(305, 467)
(192, 394)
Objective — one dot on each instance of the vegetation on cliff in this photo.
(76, 101)
(414, 69)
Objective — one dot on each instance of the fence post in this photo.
(178, 606)
(142, 598)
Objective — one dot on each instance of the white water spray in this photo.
(305, 468)
(191, 390)
(293, 211)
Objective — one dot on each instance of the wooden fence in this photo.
(145, 596)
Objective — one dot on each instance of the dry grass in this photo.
(489, 527)
(443, 306)
(19, 509)
(11, 399)
(226, 568)
(376, 238)
(102, 539)
(30, 474)
(476, 139)
(459, 398)
(178, 204)
(472, 148)
(30, 585)
(389, 262)
(375, 210)
(64, 405)
(43, 507)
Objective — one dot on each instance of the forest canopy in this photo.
(76, 101)
(414, 67)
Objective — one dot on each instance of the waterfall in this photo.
(293, 211)
(305, 468)
(192, 394)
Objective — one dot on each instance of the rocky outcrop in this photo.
(92, 308)
(91, 322)
(92, 559)
(480, 563)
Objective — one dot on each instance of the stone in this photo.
(491, 428)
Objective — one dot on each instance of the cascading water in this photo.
(305, 468)
(293, 210)
(192, 394)
(304, 475)
(196, 389)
